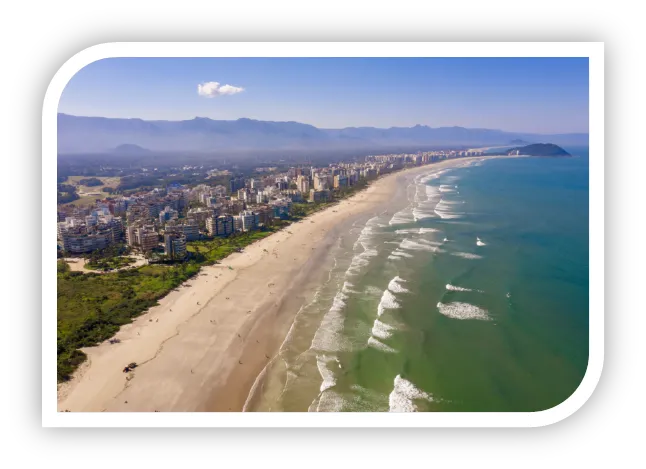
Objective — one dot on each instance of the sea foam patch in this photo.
(388, 301)
(381, 330)
(458, 310)
(412, 245)
(456, 288)
(402, 217)
(329, 335)
(404, 394)
(329, 380)
(416, 231)
(376, 343)
(395, 285)
(466, 255)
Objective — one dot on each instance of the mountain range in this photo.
(78, 134)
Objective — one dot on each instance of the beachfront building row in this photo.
(95, 231)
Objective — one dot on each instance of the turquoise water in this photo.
(468, 293)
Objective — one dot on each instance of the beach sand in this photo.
(203, 346)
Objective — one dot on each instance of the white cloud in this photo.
(212, 89)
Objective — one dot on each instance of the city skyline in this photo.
(540, 95)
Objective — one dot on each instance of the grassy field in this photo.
(107, 182)
(88, 194)
(92, 307)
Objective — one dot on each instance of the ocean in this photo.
(468, 292)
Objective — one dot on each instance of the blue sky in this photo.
(543, 95)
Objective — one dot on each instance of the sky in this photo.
(540, 95)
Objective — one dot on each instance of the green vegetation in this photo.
(62, 267)
(90, 182)
(92, 307)
(299, 211)
(66, 194)
(110, 263)
(540, 149)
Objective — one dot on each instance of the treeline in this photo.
(66, 193)
(137, 181)
(90, 182)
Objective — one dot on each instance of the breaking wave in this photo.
(457, 310)
(404, 393)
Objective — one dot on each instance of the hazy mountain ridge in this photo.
(77, 134)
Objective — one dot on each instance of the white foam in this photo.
(444, 209)
(446, 188)
(417, 231)
(362, 259)
(402, 396)
(347, 288)
(394, 285)
(456, 288)
(370, 290)
(365, 400)
(479, 242)
(388, 301)
(402, 217)
(466, 255)
(328, 336)
(329, 401)
(372, 342)
(457, 310)
(398, 253)
(381, 330)
(329, 379)
(419, 214)
(429, 243)
(411, 245)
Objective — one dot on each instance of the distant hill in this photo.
(540, 149)
(106, 135)
(130, 149)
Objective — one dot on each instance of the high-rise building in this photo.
(220, 226)
(303, 184)
(247, 220)
(175, 245)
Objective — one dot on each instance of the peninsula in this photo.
(539, 149)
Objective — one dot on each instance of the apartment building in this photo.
(175, 245)
(223, 225)
(247, 220)
(303, 184)
(189, 228)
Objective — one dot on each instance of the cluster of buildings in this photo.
(168, 218)
(91, 231)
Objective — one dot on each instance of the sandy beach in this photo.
(203, 346)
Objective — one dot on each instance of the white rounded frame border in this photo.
(595, 51)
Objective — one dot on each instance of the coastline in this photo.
(205, 345)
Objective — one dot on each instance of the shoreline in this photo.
(227, 325)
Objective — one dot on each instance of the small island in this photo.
(540, 149)
(130, 149)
